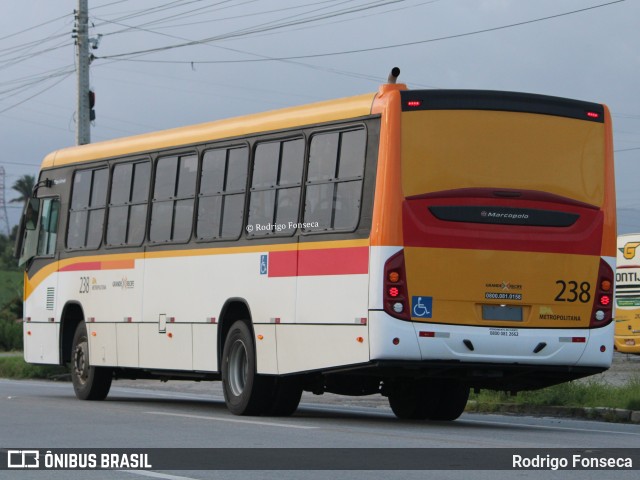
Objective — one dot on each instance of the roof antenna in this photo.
(393, 76)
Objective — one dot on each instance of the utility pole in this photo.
(83, 118)
(4, 216)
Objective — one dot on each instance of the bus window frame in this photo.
(113, 165)
(298, 134)
(365, 174)
(79, 168)
(157, 156)
(224, 145)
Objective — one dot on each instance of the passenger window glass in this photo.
(222, 185)
(127, 220)
(174, 193)
(323, 154)
(88, 201)
(265, 167)
(332, 201)
(274, 204)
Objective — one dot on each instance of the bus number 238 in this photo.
(572, 291)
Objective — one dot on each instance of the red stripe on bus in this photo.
(106, 265)
(82, 266)
(329, 261)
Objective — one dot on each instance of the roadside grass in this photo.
(573, 394)
(10, 286)
(15, 367)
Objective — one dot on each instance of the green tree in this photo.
(24, 186)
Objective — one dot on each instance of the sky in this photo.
(168, 63)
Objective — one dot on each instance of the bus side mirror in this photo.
(27, 238)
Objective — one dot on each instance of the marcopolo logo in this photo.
(509, 216)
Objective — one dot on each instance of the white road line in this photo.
(166, 476)
(550, 427)
(233, 420)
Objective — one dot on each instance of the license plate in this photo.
(507, 313)
(630, 342)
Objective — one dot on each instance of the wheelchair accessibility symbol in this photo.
(264, 264)
(421, 307)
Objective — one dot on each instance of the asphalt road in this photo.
(45, 415)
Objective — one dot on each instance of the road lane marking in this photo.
(233, 420)
(166, 476)
(550, 427)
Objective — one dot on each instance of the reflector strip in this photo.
(434, 334)
(573, 339)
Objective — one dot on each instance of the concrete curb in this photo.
(618, 415)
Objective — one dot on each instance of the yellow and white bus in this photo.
(409, 243)
(627, 312)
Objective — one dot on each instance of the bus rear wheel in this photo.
(286, 394)
(414, 400)
(245, 392)
(89, 383)
(452, 402)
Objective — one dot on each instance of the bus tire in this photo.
(245, 392)
(414, 400)
(89, 383)
(452, 402)
(287, 392)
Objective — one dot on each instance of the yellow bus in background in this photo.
(410, 243)
(627, 313)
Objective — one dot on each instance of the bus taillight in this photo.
(395, 287)
(602, 312)
(605, 300)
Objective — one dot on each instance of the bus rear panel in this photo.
(505, 273)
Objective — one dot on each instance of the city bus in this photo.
(627, 312)
(416, 244)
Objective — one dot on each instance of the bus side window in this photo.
(48, 233)
(88, 204)
(275, 187)
(128, 204)
(223, 183)
(334, 181)
(173, 199)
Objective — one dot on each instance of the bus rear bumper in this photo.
(393, 339)
(627, 344)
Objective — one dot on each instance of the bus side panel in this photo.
(108, 290)
(313, 347)
(41, 342)
(41, 330)
(195, 293)
(102, 344)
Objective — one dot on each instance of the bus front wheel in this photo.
(89, 383)
(245, 392)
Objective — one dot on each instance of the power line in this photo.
(255, 29)
(36, 94)
(344, 52)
